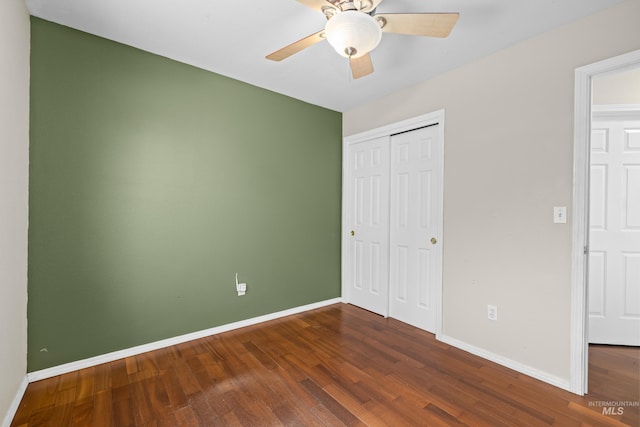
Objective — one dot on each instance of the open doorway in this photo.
(581, 304)
(613, 274)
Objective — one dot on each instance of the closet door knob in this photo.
(353, 233)
(434, 241)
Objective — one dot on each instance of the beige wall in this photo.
(14, 160)
(618, 88)
(508, 162)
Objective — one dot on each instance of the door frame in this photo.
(436, 117)
(579, 345)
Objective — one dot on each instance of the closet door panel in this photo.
(414, 227)
(368, 225)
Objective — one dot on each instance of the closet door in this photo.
(368, 225)
(415, 218)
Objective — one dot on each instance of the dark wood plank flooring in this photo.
(334, 366)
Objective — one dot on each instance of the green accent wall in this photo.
(152, 183)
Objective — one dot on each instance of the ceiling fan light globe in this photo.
(353, 34)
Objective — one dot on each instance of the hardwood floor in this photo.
(333, 366)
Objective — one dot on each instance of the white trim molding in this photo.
(616, 112)
(509, 363)
(15, 403)
(116, 355)
(393, 128)
(579, 345)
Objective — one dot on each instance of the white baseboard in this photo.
(15, 403)
(120, 354)
(511, 364)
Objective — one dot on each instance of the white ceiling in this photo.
(232, 37)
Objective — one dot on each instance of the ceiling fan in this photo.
(354, 29)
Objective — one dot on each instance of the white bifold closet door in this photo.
(394, 209)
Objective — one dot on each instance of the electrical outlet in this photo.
(492, 312)
(240, 287)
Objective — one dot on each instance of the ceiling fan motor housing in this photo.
(353, 33)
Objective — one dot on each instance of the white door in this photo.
(614, 237)
(416, 208)
(368, 225)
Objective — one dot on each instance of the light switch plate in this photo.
(492, 312)
(560, 214)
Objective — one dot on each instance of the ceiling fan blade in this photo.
(419, 24)
(361, 67)
(296, 47)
